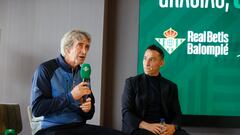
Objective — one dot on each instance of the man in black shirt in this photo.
(150, 104)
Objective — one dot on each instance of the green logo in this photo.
(170, 43)
(85, 69)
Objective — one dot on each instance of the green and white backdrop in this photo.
(201, 42)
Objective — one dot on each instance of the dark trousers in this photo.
(78, 129)
(146, 132)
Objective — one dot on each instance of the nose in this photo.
(147, 62)
(84, 51)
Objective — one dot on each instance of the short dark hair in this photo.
(156, 48)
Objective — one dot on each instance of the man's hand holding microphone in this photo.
(82, 91)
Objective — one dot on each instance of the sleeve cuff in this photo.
(70, 99)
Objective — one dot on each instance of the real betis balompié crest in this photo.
(170, 43)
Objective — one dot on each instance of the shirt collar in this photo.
(63, 64)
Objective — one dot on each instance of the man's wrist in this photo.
(141, 124)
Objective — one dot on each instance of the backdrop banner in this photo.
(201, 42)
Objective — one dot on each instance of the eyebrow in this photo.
(80, 43)
(149, 57)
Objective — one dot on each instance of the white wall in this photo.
(122, 53)
(30, 33)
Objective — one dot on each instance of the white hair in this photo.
(69, 37)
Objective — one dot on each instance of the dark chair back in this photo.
(10, 117)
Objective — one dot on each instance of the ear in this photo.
(161, 63)
(67, 50)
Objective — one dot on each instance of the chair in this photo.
(10, 117)
(35, 122)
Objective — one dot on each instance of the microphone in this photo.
(85, 72)
(85, 75)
